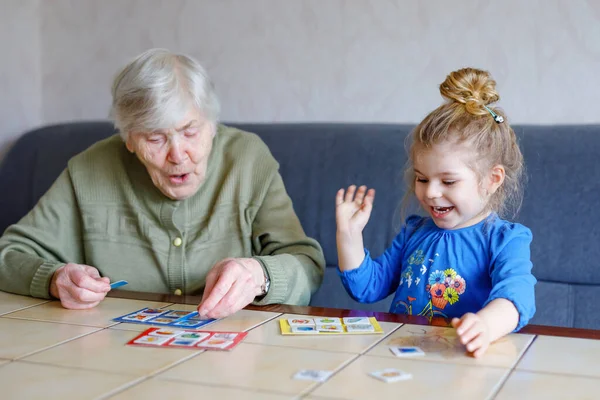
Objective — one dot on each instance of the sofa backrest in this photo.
(317, 159)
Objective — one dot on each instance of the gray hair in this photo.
(157, 89)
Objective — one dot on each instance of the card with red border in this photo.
(187, 339)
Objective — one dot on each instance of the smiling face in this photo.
(176, 159)
(449, 189)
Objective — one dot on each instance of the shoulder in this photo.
(413, 224)
(244, 146)
(505, 233)
(105, 152)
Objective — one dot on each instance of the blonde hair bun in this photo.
(474, 88)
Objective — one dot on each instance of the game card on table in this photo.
(171, 318)
(188, 339)
(329, 326)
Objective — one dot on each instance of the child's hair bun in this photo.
(472, 87)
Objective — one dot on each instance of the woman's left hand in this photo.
(473, 332)
(231, 285)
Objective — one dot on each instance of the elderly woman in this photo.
(176, 204)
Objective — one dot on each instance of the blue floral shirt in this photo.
(447, 273)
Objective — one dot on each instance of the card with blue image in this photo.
(173, 318)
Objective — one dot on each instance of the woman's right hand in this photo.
(353, 209)
(78, 286)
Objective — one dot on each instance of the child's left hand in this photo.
(473, 332)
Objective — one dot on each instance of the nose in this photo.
(177, 153)
(433, 191)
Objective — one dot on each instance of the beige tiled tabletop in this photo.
(52, 353)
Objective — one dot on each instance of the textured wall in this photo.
(20, 74)
(306, 60)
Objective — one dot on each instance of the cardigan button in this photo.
(177, 242)
(177, 292)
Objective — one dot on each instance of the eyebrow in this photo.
(446, 174)
(183, 128)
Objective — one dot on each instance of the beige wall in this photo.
(20, 73)
(305, 60)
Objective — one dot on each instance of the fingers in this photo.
(231, 287)
(234, 300)
(339, 197)
(80, 286)
(472, 333)
(350, 193)
(88, 278)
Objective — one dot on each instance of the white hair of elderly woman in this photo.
(157, 89)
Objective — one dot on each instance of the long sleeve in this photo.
(295, 263)
(511, 272)
(376, 279)
(41, 242)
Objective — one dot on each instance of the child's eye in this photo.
(421, 180)
(449, 183)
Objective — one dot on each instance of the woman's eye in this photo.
(154, 139)
(191, 132)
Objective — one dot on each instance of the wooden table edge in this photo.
(338, 312)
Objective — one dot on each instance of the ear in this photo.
(497, 175)
(129, 143)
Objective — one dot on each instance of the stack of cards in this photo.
(166, 337)
(175, 318)
(329, 325)
(391, 375)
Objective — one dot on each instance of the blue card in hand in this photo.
(118, 284)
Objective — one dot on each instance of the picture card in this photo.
(188, 339)
(356, 320)
(171, 318)
(371, 327)
(301, 321)
(406, 351)
(391, 375)
(312, 375)
(118, 284)
(328, 321)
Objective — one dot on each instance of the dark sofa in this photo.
(319, 158)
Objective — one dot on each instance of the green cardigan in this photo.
(104, 211)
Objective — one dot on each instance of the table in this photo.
(48, 352)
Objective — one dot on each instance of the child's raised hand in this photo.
(473, 332)
(353, 208)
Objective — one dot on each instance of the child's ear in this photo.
(497, 175)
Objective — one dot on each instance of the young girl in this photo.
(461, 261)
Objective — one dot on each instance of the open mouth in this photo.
(439, 212)
(179, 179)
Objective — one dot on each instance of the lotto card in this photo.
(328, 321)
(118, 284)
(304, 329)
(329, 326)
(301, 322)
(391, 375)
(406, 351)
(172, 318)
(360, 328)
(179, 338)
(312, 375)
(356, 320)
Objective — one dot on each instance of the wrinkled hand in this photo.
(79, 286)
(473, 332)
(231, 285)
(352, 211)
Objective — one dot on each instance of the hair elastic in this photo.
(498, 118)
